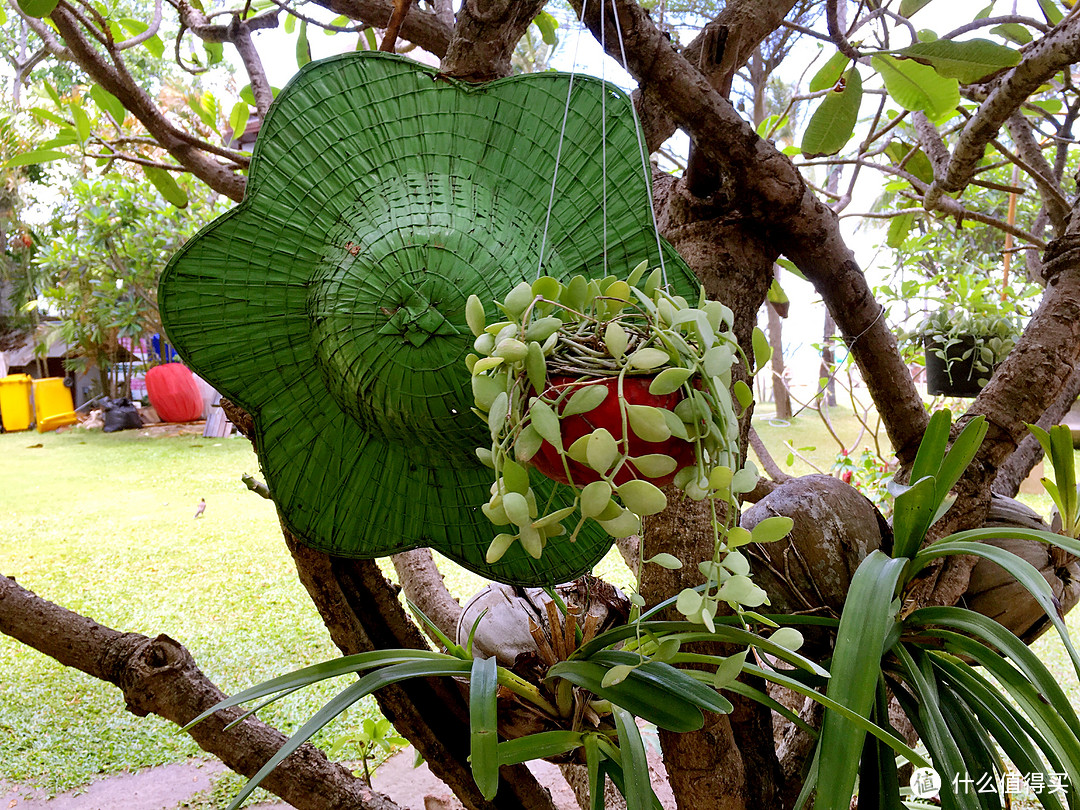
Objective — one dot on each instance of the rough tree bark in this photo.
(159, 676)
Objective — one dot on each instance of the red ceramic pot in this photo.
(635, 392)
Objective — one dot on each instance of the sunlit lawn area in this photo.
(103, 525)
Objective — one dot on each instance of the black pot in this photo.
(953, 375)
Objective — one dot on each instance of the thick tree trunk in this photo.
(159, 676)
(360, 608)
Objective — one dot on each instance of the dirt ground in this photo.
(173, 787)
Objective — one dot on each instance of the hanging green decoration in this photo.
(330, 303)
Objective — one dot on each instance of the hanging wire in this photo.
(603, 144)
(558, 151)
(641, 142)
(603, 126)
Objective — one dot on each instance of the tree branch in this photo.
(120, 83)
(159, 676)
(1056, 51)
(770, 190)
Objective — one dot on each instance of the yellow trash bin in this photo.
(15, 401)
(53, 405)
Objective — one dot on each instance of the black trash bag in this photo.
(120, 414)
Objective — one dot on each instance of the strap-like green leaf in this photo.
(913, 514)
(639, 696)
(932, 447)
(869, 612)
(345, 665)
(1024, 572)
(961, 453)
(638, 786)
(483, 726)
(931, 620)
(342, 701)
(680, 684)
(1042, 710)
(1018, 738)
(933, 731)
(539, 746)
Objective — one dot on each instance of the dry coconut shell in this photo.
(994, 592)
(836, 526)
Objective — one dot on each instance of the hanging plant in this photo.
(615, 387)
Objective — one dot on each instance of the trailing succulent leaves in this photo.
(606, 337)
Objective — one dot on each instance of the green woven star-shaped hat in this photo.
(330, 303)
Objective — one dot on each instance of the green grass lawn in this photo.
(103, 525)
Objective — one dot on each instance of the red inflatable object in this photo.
(173, 393)
(607, 415)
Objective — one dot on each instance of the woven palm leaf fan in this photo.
(330, 302)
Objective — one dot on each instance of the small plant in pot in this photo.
(614, 386)
(963, 348)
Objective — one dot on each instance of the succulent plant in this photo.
(614, 386)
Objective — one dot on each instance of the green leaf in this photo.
(833, 122)
(917, 87)
(676, 682)
(37, 8)
(618, 674)
(762, 350)
(830, 73)
(108, 103)
(36, 156)
(238, 119)
(585, 399)
(1014, 32)
(648, 423)
(968, 61)
(898, 230)
(539, 746)
(342, 701)
(82, 122)
(643, 698)
(771, 529)
(303, 49)
(166, 184)
(729, 670)
(743, 394)
(1020, 569)
(1051, 11)
(961, 453)
(642, 497)
(547, 25)
(913, 514)
(669, 381)
(289, 24)
(934, 732)
(931, 450)
(483, 725)
(637, 788)
(594, 498)
(546, 422)
(601, 450)
(868, 616)
(665, 560)
(909, 7)
(648, 359)
(654, 465)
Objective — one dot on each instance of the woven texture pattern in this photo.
(331, 302)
